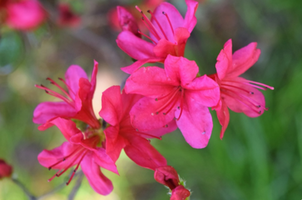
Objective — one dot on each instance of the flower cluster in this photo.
(154, 101)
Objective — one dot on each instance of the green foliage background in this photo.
(258, 158)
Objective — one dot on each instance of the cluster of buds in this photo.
(154, 101)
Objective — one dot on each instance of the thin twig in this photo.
(24, 189)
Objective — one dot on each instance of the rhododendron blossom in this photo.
(82, 149)
(75, 104)
(67, 17)
(174, 95)
(22, 14)
(169, 32)
(121, 135)
(238, 94)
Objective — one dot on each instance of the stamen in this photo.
(146, 36)
(151, 13)
(54, 83)
(239, 88)
(68, 87)
(181, 105)
(169, 21)
(175, 92)
(75, 170)
(264, 85)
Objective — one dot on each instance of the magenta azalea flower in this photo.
(82, 149)
(67, 17)
(75, 104)
(121, 135)
(174, 93)
(238, 94)
(169, 32)
(23, 14)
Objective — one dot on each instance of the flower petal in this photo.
(204, 90)
(224, 60)
(149, 81)
(134, 46)
(243, 59)
(47, 110)
(114, 142)
(102, 159)
(223, 116)
(144, 117)
(67, 127)
(136, 65)
(72, 76)
(143, 153)
(167, 176)
(100, 183)
(195, 123)
(241, 97)
(190, 19)
(181, 70)
(174, 17)
(111, 110)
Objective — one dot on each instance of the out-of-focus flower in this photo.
(169, 32)
(75, 104)
(67, 16)
(5, 169)
(114, 18)
(22, 14)
(238, 94)
(168, 176)
(82, 149)
(174, 95)
(121, 135)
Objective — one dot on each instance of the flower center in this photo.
(171, 99)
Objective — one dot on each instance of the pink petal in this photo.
(164, 48)
(143, 153)
(72, 76)
(103, 160)
(24, 15)
(174, 16)
(100, 183)
(243, 59)
(144, 118)
(134, 46)
(181, 36)
(149, 81)
(195, 123)
(93, 79)
(67, 127)
(136, 65)
(223, 117)
(111, 110)
(48, 110)
(180, 193)
(48, 158)
(224, 60)
(243, 98)
(204, 90)
(114, 142)
(127, 21)
(190, 19)
(168, 128)
(181, 70)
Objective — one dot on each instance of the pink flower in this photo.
(23, 14)
(174, 93)
(238, 94)
(121, 135)
(75, 104)
(67, 17)
(5, 169)
(168, 176)
(169, 32)
(82, 149)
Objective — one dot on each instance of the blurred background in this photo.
(258, 158)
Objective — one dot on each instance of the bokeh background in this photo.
(258, 158)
